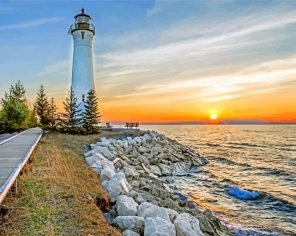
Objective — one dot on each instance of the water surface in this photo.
(254, 157)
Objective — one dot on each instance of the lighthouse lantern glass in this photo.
(82, 19)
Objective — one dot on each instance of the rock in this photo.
(146, 137)
(123, 183)
(126, 206)
(116, 186)
(147, 209)
(130, 172)
(113, 188)
(156, 226)
(172, 214)
(134, 223)
(104, 140)
(128, 232)
(179, 168)
(143, 149)
(106, 174)
(165, 170)
(105, 152)
(155, 170)
(101, 163)
(137, 140)
(156, 150)
(187, 225)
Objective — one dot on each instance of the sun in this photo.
(213, 116)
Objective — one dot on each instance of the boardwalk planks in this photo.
(14, 154)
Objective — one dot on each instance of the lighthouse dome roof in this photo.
(82, 13)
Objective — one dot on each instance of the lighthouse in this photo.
(83, 32)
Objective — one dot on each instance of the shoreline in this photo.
(138, 172)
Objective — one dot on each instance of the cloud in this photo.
(245, 82)
(59, 67)
(240, 36)
(31, 24)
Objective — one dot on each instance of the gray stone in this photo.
(130, 172)
(143, 149)
(126, 206)
(116, 186)
(179, 168)
(147, 209)
(134, 223)
(156, 226)
(155, 170)
(128, 232)
(172, 214)
(165, 170)
(187, 225)
(106, 174)
(105, 152)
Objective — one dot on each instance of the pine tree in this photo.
(91, 115)
(72, 114)
(18, 91)
(42, 106)
(52, 113)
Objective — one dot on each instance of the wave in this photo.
(248, 144)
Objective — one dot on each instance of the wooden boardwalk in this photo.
(14, 153)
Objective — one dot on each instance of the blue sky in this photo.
(177, 56)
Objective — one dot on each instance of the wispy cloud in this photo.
(244, 82)
(31, 24)
(242, 35)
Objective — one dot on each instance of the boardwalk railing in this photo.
(14, 154)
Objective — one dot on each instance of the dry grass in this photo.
(55, 192)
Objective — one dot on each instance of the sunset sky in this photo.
(161, 61)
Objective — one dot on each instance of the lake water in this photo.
(254, 157)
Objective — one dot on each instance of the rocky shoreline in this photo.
(138, 173)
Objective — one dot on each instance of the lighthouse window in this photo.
(82, 34)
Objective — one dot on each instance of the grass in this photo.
(56, 192)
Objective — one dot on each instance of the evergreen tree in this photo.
(15, 114)
(52, 113)
(72, 114)
(42, 106)
(18, 92)
(91, 115)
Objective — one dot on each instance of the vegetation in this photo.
(15, 114)
(91, 115)
(42, 107)
(58, 194)
(72, 115)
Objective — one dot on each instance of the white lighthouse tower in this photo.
(82, 69)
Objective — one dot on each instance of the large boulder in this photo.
(116, 186)
(146, 137)
(106, 174)
(155, 170)
(126, 206)
(165, 170)
(128, 232)
(138, 140)
(105, 152)
(187, 225)
(156, 226)
(134, 223)
(130, 172)
(179, 168)
(101, 163)
(143, 149)
(147, 209)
